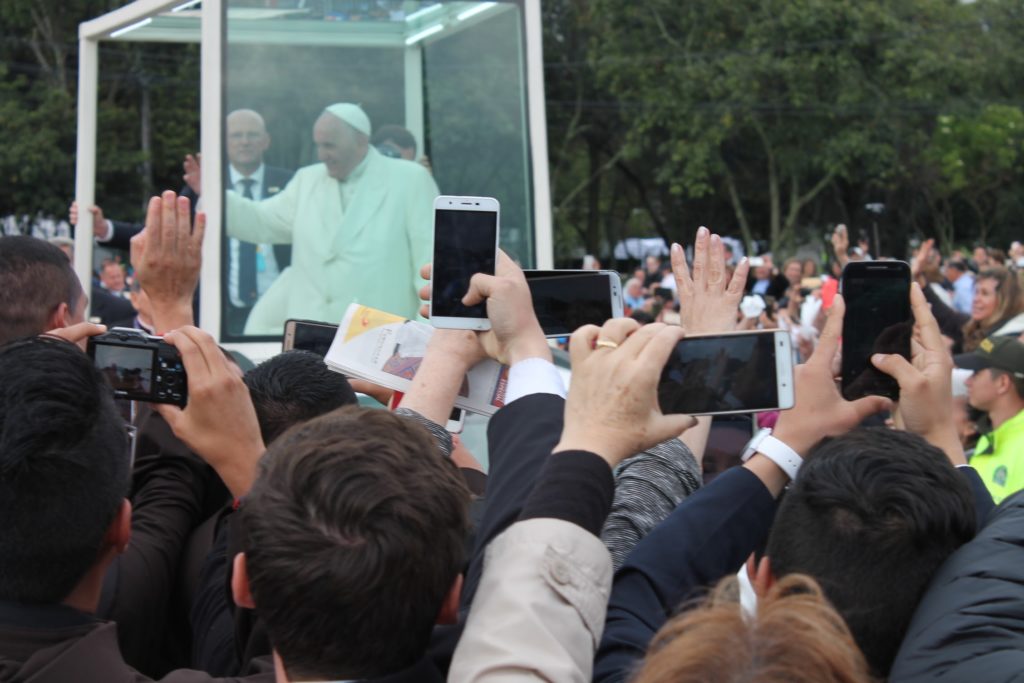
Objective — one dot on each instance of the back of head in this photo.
(871, 516)
(395, 134)
(354, 535)
(795, 637)
(35, 279)
(64, 468)
(293, 387)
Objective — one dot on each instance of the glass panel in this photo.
(341, 201)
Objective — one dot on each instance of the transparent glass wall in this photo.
(326, 209)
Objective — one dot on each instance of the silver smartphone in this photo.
(565, 300)
(736, 372)
(465, 243)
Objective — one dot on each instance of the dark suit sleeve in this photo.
(983, 503)
(706, 538)
(520, 437)
(123, 233)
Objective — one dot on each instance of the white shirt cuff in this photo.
(533, 376)
(109, 235)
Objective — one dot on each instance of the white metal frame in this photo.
(90, 33)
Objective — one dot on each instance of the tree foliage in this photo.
(774, 118)
(38, 106)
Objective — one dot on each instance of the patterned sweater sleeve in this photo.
(648, 487)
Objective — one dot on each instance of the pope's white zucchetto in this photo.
(353, 115)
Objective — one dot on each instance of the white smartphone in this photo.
(565, 300)
(736, 372)
(465, 243)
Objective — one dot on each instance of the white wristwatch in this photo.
(775, 450)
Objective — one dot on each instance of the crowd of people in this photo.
(273, 530)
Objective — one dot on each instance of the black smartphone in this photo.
(309, 335)
(738, 372)
(465, 243)
(878, 320)
(565, 300)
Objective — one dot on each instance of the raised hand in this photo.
(167, 256)
(707, 302)
(925, 406)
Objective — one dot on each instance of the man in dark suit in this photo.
(250, 267)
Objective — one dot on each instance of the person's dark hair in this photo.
(293, 387)
(353, 534)
(958, 265)
(871, 516)
(64, 468)
(35, 278)
(395, 134)
(641, 316)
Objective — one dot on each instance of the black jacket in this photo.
(970, 624)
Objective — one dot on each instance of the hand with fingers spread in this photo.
(167, 256)
(820, 410)
(925, 406)
(515, 333)
(612, 408)
(78, 334)
(707, 300)
(219, 423)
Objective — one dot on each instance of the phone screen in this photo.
(564, 302)
(877, 320)
(314, 337)
(721, 373)
(464, 245)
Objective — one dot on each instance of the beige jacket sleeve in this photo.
(539, 611)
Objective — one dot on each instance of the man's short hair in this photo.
(396, 134)
(293, 387)
(353, 535)
(871, 516)
(958, 265)
(64, 468)
(35, 278)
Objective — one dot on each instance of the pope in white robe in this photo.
(360, 225)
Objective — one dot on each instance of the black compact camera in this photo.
(140, 367)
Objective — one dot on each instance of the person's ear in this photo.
(1004, 384)
(449, 613)
(760, 575)
(120, 530)
(240, 584)
(60, 317)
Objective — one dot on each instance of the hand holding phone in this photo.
(515, 333)
(612, 406)
(465, 243)
(819, 409)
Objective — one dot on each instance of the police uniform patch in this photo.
(999, 476)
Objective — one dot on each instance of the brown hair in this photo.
(354, 534)
(1009, 303)
(796, 636)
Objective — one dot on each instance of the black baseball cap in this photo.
(1001, 353)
